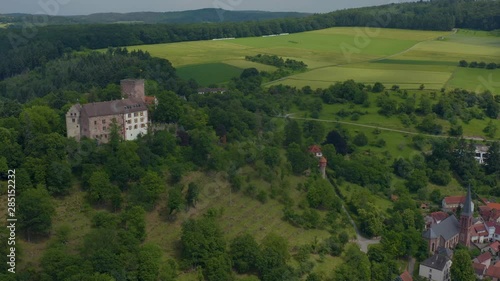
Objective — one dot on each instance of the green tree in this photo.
(417, 180)
(218, 268)
(149, 189)
(201, 239)
(100, 189)
(35, 216)
(169, 108)
(360, 139)
(461, 267)
(273, 258)
(244, 252)
(299, 159)
(314, 130)
(134, 222)
(493, 159)
(293, 133)
(149, 258)
(59, 179)
(175, 200)
(272, 156)
(491, 129)
(192, 194)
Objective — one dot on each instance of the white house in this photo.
(436, 268)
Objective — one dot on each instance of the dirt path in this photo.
(380, 128)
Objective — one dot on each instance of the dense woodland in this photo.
(208, 15)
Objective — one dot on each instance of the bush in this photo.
(262, 196)
(360, 140)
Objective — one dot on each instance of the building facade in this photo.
(95, 120)
(436, 268)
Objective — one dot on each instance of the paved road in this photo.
(360, 240)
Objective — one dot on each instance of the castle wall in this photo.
(133, 88)
(73, 120)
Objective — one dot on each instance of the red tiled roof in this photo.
(406, 276)
(314, 149)
(493, 271)
(479, 268)
(452, 200)
(495, 245)
(494, 205)
(439, 216)
(483, 257)
(149, 100)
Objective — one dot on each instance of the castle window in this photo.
(135, 126)
(135, 120)
(129, 121)
(129, 115)
(143, 125)
(104, 128)
(142, 113)
(142, 119)
(135, 114)
(106, 136)
(95, 122)
(73, 120)
(104, 121)
(130, 127)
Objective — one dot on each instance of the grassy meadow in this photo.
(407, 58)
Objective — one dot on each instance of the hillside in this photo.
(181, 17)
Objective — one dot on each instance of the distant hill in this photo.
(194, 16)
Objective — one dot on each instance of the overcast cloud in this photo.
(83, 7)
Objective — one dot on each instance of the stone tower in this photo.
(73, 126)
(466, 220)
(133, 88)
(322, 166)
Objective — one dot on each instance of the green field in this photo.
(206, 74)
(407, 58)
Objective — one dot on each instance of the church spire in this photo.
(467, 209)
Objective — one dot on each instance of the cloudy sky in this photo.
(82, 7)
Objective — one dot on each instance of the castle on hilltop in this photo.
(130, 114)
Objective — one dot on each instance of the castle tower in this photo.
(73, 126)
(322, 167)
(466, 220)
(133, 88)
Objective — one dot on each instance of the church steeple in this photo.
(466, 220)
(467, 209)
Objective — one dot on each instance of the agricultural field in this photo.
(407, 58)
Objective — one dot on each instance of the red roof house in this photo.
(316, 150)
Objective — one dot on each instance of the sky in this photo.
(84, 7)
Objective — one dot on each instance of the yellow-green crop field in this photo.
(407, 58)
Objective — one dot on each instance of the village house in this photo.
(451, 203)
(493, 248)
(436, 268)
(481, 152)
(95, 120)
(493, 272)
(202, 91)
(405, 276)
